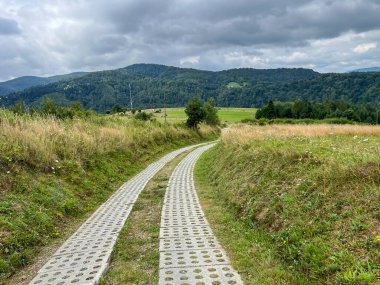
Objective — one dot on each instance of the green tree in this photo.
(211, 113)
(195, 112)
(268, 111)
(19, 108)
(48, 107)
(77, 106)
(117, 109)
(271, 112)
(297, 109)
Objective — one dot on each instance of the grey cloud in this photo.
(8, 27)
(130, 16)
(88, 35)
(243, 23)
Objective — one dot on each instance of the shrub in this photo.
(143, 116)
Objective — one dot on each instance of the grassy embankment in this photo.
(227, 115)
(53, 173)
(296, 204)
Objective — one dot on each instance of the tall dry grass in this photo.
(38, 140)
(243, 133)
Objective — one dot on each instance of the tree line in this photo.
(196, 111)
(304, 109)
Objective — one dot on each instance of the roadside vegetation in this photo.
(304, 200)
(54, 170)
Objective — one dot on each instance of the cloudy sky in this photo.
(47, 37)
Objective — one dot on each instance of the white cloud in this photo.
(190, 59)
(363, 48)
(243, 60)
(294, 57)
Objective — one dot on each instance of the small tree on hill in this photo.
(268, 111)
(117, 109)
(48, 107)
(19, 108)
(211, 113)
(143, 116)
(195, 113)
(271, 111)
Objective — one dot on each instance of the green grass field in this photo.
(296, 204)
(227, 115)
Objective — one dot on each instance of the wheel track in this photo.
(189, 252)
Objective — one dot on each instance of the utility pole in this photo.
(130, 96)
(165, 105)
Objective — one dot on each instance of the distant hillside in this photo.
(230, 88)
(24, 82)
(368, 69)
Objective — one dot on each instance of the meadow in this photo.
(55, 172)
(296, 204)
(226, 115)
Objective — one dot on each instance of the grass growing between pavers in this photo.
(135, 259)
(307, 196)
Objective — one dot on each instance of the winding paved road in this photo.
(189, 252)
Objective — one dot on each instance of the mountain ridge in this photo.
(24, 82)
(368, 69)
(154, 86)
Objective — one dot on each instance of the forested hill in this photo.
(231, 88)
(24, 82)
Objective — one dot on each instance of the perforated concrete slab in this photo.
(189, 252)
(189, 258)
(180, 201)
(176, 221)
(201, 275)
(182, 213)
(193, 210)
(82, 245)
(96, 233)
(84, 257)
(77, 259)
(199, 242)
(84, 275)
(193, 231)
(178, 207)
